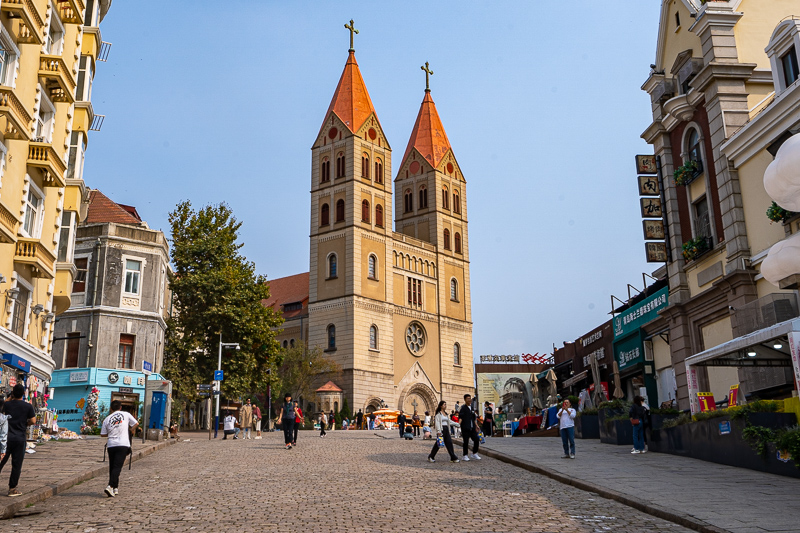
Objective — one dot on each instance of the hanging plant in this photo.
(694, 248)
(687, 172)
(778, 214)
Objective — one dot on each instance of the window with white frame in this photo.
(789, 66)
(373, 337)
(92, 17)
(133, 272)
(19, 314)
(54, 40)
(45, 118)
(9, 56)
(66, 238)
(34, 204)
(83, 91)
(77, 148)
(82, 268)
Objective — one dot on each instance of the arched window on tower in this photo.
(373, 337)
(445, 198)
(378, 171)
(379, 215)
(457, 239)
(340, 210)
(331, 337)
(325, 170)
(447, 239)
(365, 211)
(408, 201)
(453, 290)
(325, 215)
(456, 202)
(340, 165)
(365, 166)
(372, 266)
(423, 197)
(456, 354)
(333, 266)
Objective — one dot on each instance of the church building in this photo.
(391, 308)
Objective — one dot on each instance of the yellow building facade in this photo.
(48, 54)
(391, 308)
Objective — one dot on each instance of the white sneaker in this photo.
(636, 451)
(643, 451)
(475, 456)
(116, 492)
(109, 492)
(431, 460)
(465, 458)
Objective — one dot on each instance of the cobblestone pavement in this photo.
(734, 499)
(346, 482)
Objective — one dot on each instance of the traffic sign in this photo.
(216, 393)
(147, 367)
(205, 386)
(217, 375)
(205, 394)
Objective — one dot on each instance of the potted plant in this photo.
(587, 425)
(614, 423)
(686, 173)
(778, 214)
(694, 248)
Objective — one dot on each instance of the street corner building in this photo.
(392, 309)
(48, 56)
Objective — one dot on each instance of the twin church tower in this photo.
(391, 308)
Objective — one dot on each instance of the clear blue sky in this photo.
(212, 102)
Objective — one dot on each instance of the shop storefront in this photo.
(597, 344)
(636, 366)
(70, 389)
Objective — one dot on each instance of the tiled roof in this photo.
(428, 135)
(289, 290)
(329, 387)
(351, 101)
(102, 209)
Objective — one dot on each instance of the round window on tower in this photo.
(416, 338)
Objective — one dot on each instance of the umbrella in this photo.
(617, 385)
(537, 402)
(551, 379)
(599, 394)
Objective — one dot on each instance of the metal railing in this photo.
(765, 312)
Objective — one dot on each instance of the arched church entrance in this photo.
(419, 398)
(373, 404)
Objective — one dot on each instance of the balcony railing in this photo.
(71, 11)
(8, 225)
(765, 312)
(37, 256)
(31, 23)
(60, 82)
(42, 156)
(17, 119)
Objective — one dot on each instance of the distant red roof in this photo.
(329, 387)
(286, 291)
(103, 209)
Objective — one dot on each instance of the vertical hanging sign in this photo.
(652, 208)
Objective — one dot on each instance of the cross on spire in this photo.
(353, 30)
(428, 74)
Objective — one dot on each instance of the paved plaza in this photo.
(347, 482)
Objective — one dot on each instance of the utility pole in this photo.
(218, 388)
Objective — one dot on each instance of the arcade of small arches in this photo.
(418, 265)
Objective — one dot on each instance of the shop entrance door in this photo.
(129, 401)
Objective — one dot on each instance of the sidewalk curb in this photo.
(8, 511)
(646, 507)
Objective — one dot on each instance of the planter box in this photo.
(617, 431)
(587, 427)
(702, 440)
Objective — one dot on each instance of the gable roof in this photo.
(329, 387)
(351, 101)
(288, 290)
(103, 209)
(428, 135)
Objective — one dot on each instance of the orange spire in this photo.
(428, 135)
(351, 101)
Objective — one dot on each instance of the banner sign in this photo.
(733, 395)
(706, 401)
(648, 186)
(794, 347)
(646, 164)
(640, 314)
(82, 375)
(531, 359)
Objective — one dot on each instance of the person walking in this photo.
(257, 420)
(371, 418)
(416, 423)
(566, 425)
(323, 423)
(287, 415)
(401, 423)
(117, 427)
(469, 429)
(298, 421)
(441, 425)
(637, 415)
(246, 419)
(20, 415)
(359, 420)
(331, 419)
(488, 420)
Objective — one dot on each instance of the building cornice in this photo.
(722, 71)
(717, 13)
(653, 130)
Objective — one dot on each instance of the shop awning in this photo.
(576, 378)
(732, 353)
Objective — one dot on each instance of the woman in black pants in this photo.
(287, 417)
(442, 423)
(488, 420)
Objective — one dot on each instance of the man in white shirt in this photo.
(566, 425)
(229, 427)
(117, 427)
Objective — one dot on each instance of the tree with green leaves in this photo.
(216, 292)
(302, 370)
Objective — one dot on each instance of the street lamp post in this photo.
(218, 382)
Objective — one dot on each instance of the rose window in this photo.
(415, 338)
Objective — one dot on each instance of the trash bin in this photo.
(157, 410)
